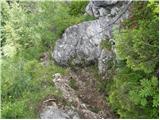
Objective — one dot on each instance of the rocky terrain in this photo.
(80, 46)
(76, 59)
(82, 96)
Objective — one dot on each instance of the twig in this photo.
(49, 100)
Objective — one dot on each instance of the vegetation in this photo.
(134, 91)
(72, 84)
(29, 31)
(105, 44)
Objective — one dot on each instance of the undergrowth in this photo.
(30, 29)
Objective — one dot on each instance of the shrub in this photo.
(134, 92)
(77, 7)
(28, 29)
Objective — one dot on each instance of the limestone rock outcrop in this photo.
(53, 112)
(81, 44)
(109, 8)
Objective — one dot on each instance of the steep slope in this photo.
(81, 45)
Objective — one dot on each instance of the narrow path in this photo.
(82, 99)
(87, 93)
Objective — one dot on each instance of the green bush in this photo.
(25, 82)
(134, 91)
(132, 96)
(28, 30)
(77, 7)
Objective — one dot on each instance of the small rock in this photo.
(50, 112)
(57, 75)
(104, 58)
(114, 11)
(104, 3)
(103, 12)
(83, 106)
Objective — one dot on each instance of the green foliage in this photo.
(132, 96)
(57, 17)
(148, 88)
(28, 30)
(118, 97)
(106, 44)
(78, 7)
(138, 47)
(25, 82)
(72, 84)
(18, 33)
(14, 110)
(134, 92)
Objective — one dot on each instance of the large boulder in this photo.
(80, 44)
(104, 3)
(104, 8)
(53, 112)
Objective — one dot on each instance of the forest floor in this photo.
(80, 97)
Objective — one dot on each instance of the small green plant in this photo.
(77, 7)
(105, 44)
(95, 109)
(88, 17)
(73, 84)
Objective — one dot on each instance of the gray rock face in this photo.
(52, 112)
(104, 3)
(80, 44)
(104, 8)
(104, 59)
